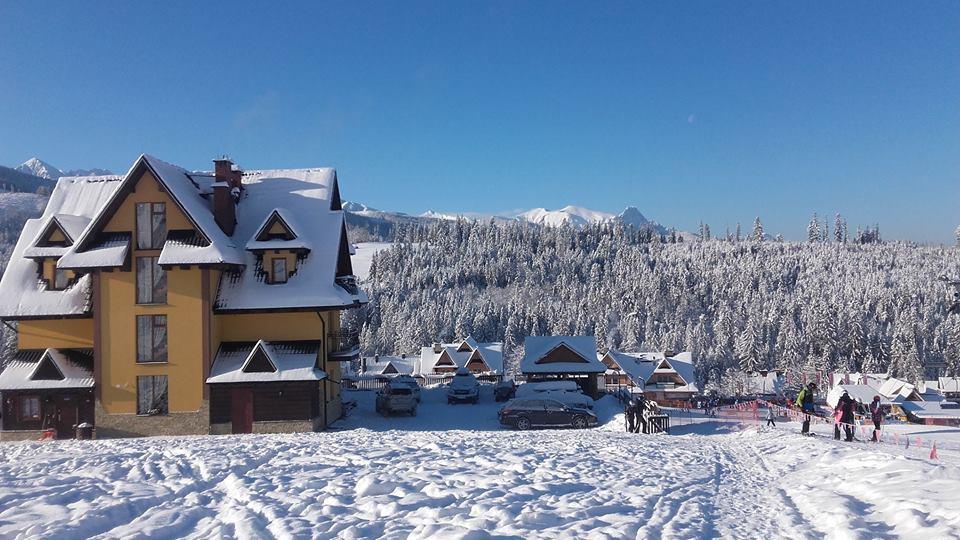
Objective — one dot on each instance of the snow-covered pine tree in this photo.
(813, 229)
(757, 235)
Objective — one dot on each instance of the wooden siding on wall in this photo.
(299, 401)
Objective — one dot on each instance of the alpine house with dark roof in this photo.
(198, 302)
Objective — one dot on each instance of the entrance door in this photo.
(241, 410)
(66, 417)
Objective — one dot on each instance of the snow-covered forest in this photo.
(825, 304)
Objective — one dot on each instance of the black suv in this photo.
(526, 413)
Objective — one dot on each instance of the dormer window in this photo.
(61, 278)
(151, 225)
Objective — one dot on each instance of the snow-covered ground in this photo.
(451, 471)
(363, 257)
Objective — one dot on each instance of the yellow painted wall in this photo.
(270, 326)
(50, 268)
(269, 256)
(55, 333)
(56, 235)
(147, 190)
(277, 228)
(118, 326)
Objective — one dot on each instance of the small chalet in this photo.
(551, 358)
(387, 365)
(664, 377)
(447, 358)
(950, 387)
(47, 389)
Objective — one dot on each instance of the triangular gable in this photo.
(136, 172)
(562, 353)
(665, 365)
(47, 369)
(275, 227)
(260, 360)
(445, 360)
(464, 347)
(390, 369)
(54, 235)
(476, 362)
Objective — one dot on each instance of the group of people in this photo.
(843, 414)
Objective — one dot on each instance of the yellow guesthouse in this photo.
(169, 302)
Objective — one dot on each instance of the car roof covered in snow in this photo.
(584, 359)
(22, 294)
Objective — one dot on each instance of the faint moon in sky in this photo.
(691, 119)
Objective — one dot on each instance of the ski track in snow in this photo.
(366, 482)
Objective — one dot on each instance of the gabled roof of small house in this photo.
(22, 294)
(389, 365)
(863, 392)
(945, 410)
(243, 362)
(580, 353)
(641, 366)
(48, 369)
(895, 389)
(70, 226)
(491, 353)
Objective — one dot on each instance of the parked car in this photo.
(567, 392)
(396, 399)
(408, 381)
(464, 388)
(505, 390)
(526, 413)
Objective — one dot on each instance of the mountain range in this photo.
(37, 167)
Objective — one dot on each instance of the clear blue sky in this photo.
(714, 111)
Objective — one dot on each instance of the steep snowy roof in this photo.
(863, 392)
(290, 361)
(22, 294)
(574, 354)
(304, 197)
(896, 389)
(66, 368)
(932, 409)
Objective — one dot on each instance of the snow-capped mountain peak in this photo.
(38, 167)
(574, 215)
(631, 216)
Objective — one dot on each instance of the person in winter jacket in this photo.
(805, 402)
(630, 414)
(876, 414)
(770, 417)
(641, 408)
(846, 405)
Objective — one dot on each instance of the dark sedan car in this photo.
(527, 413)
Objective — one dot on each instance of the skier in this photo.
(845, 405)
(770, 417)
(876, 414)
(630, 415)
(805, 402)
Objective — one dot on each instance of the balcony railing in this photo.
(345, 343)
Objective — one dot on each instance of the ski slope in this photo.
(451, 472)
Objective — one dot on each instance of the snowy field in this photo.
(363, 258)
(452, 472)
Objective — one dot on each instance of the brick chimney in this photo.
(226, 192)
